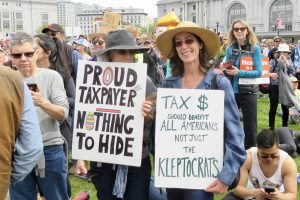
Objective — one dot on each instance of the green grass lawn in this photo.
(79, 185)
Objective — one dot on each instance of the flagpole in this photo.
(205, 25)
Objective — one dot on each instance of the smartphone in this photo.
(87, 176)
(32, 86)
(227, 65)
(269, 190)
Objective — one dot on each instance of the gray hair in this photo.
(19, 39)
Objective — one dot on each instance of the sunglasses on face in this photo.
(278, 41)
(242, 29)
(94, 42)
(189, 41)
(124, 51)
(19, 55)
(266, 156)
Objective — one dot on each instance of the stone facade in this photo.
(217, 15)
(25, 15)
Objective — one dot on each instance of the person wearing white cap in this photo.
(82, 46)
(283, 62)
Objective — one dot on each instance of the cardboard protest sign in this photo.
(110, 22)
(246, 64)
(108, 121)
(188, 137)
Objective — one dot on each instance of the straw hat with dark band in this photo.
(164, 41)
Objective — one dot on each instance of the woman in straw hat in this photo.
(189, 48)
(244, 48)
(283, 62)
(124, 182)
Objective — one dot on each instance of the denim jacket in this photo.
(235, 153)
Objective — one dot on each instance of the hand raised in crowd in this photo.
(217, 187)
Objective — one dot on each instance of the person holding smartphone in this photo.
(243, 49)
(51, 104)
(271, 172)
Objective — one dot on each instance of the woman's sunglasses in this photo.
(188, 41)
(19, 55)
(94, 42)
(265, 156)
(242, 29)
(125, 51)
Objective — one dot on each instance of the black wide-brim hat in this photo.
(121, 39)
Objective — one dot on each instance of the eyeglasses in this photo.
(242, 29)
(278, 41)
(188, 41)
(265, 156)
(19, 55)
(124, 51)
(100, 42)
(147, 42)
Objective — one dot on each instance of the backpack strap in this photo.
(214, 83)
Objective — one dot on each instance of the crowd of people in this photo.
(38, 77)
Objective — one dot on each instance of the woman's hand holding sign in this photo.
(217, 187)
(147, 112)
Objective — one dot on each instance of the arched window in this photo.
(237, 11)
(281, 9)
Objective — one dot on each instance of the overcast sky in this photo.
(148, 5)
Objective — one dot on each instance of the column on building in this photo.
(186, 18)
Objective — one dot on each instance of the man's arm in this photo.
(289, 174)
(29, 144)
(241, 190)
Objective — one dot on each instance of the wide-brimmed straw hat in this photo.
(121, 39)
(283, 48)
(211, 41)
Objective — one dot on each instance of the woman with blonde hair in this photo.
(244, 47)
(250, 36)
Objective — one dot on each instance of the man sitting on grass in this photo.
(293, 112)
(271, 172)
